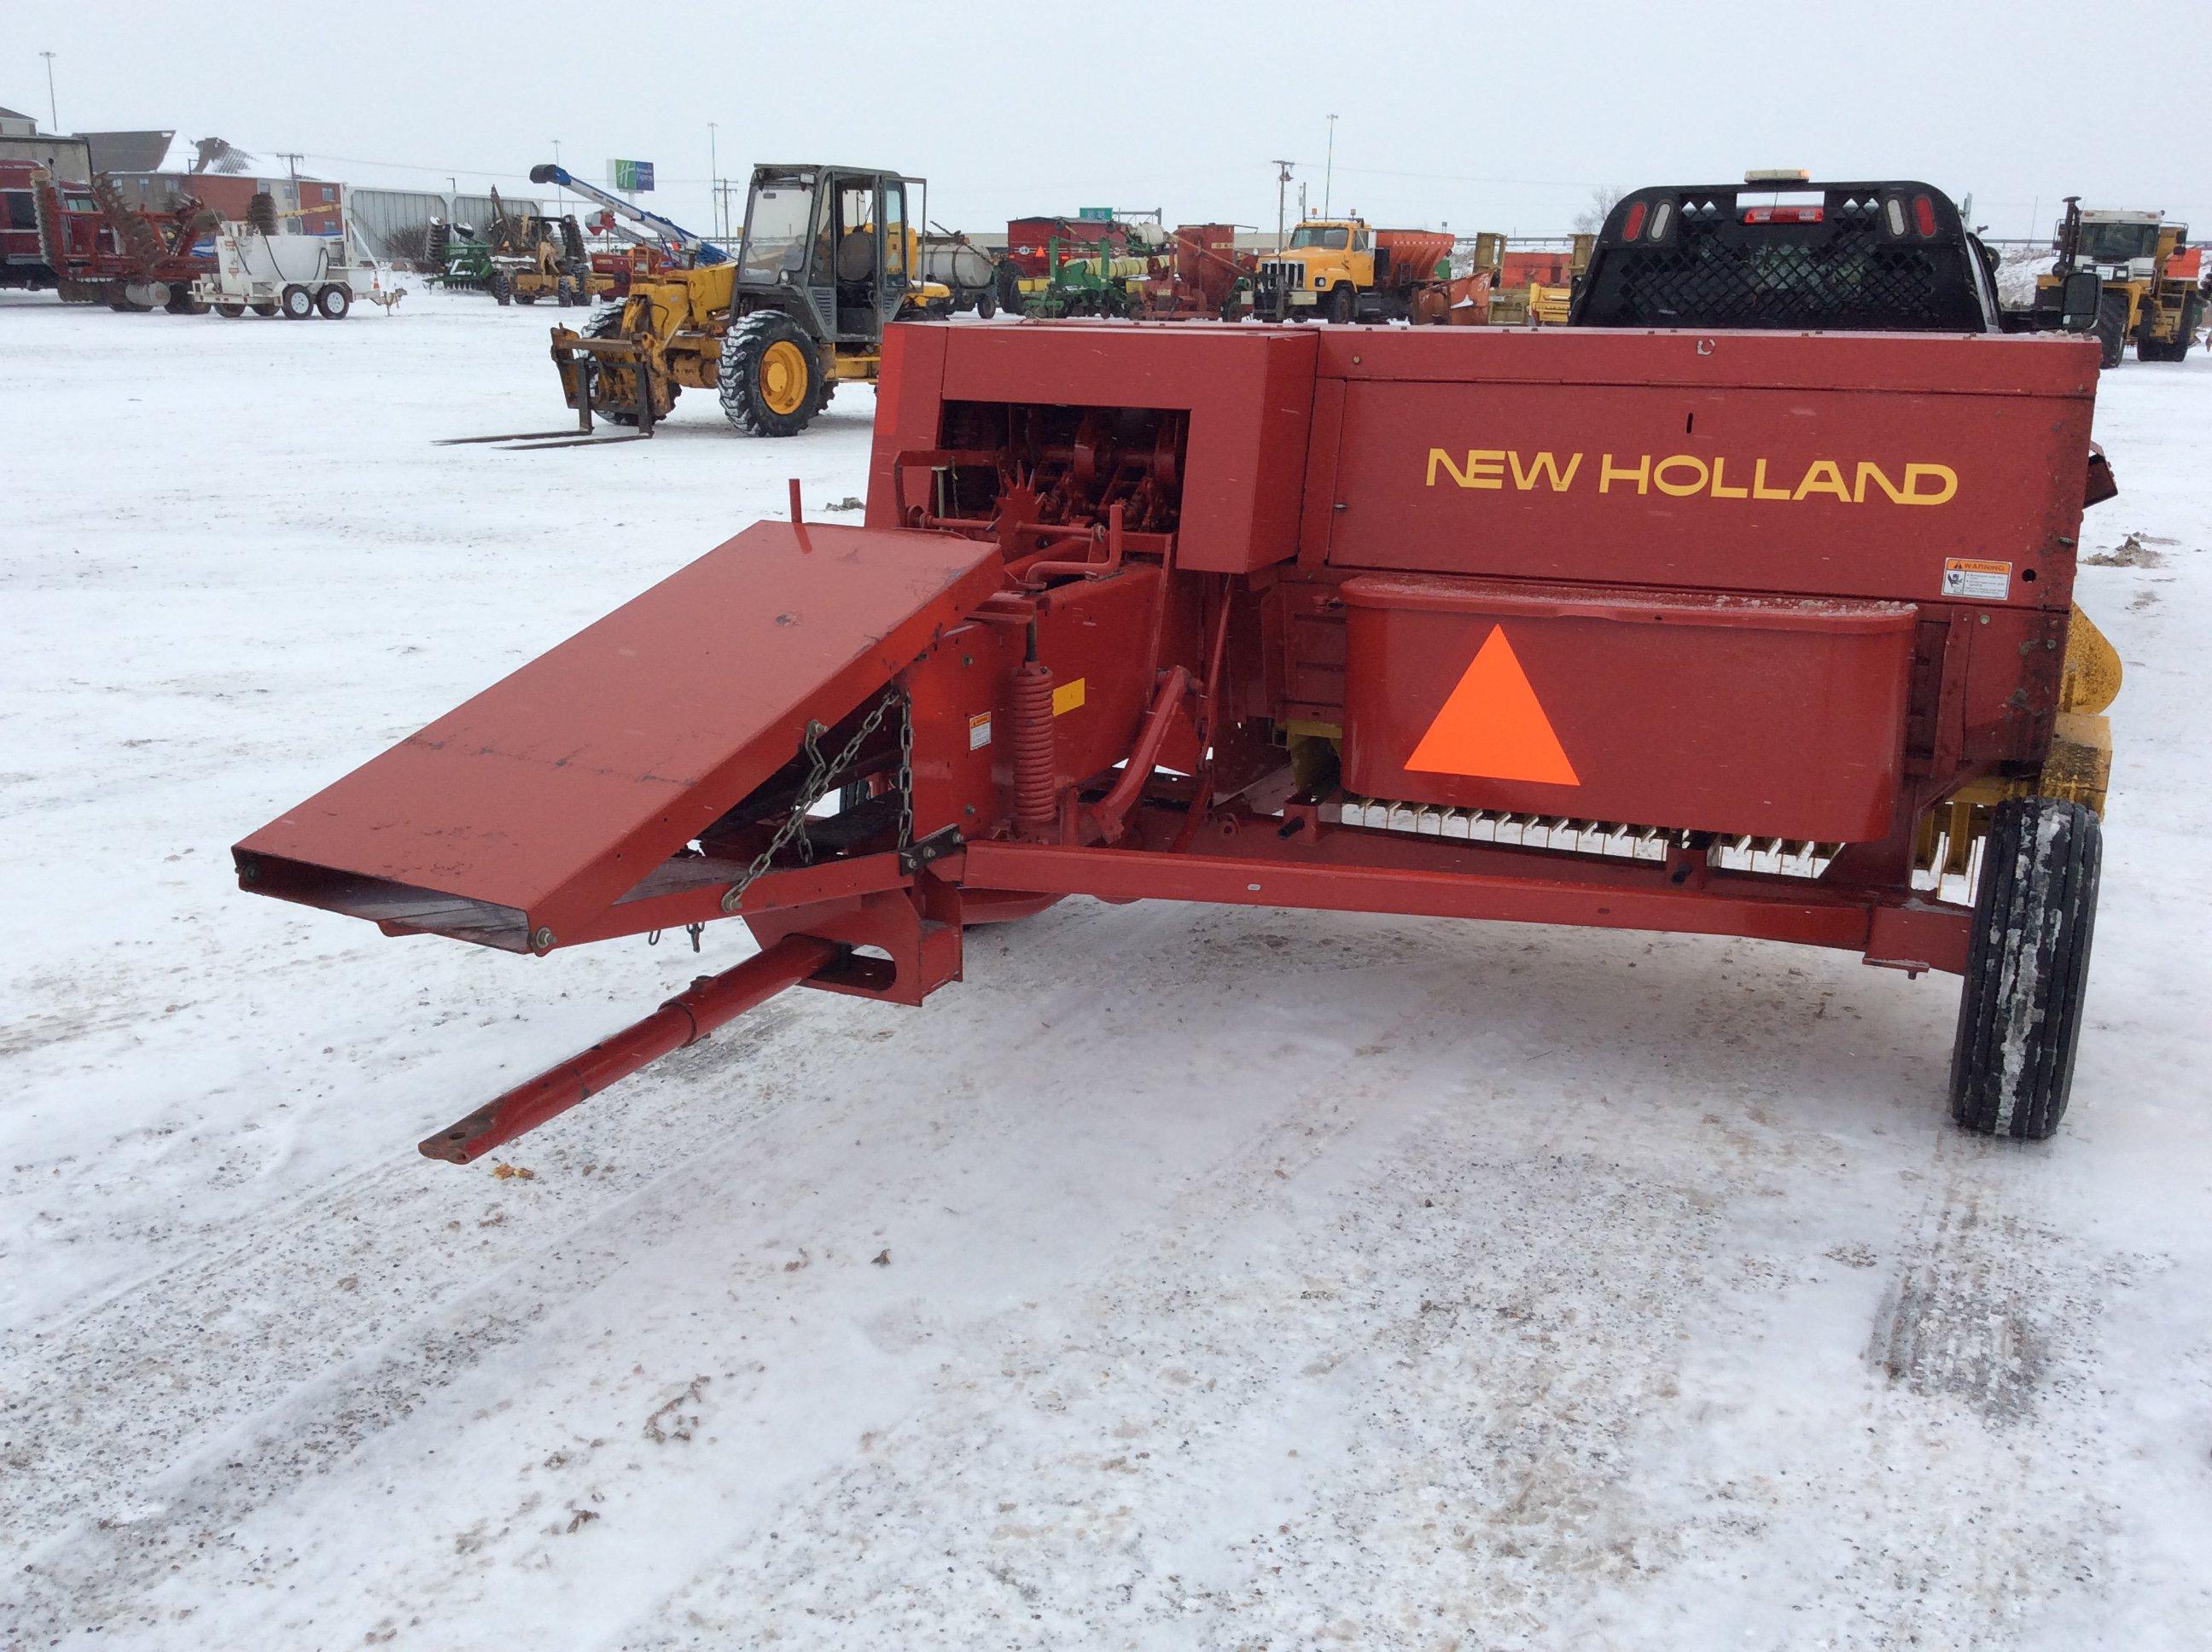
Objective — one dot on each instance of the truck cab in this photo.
(1323, 268)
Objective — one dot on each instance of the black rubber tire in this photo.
(335, 301)
(744, 349)
(605, 323)
(261, 213)
(1011, 299)
(502, 287)
(1343, 306)
(2027, 968)
(265, 311)
(230, 312)
(987, 304)
(181, 302)
(2111, 329)
(2176, 347)
(296, 303)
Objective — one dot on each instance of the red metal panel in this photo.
(1778, 718)
(1249, 392)
(556, 791)
(909, 388)
(1747, 462)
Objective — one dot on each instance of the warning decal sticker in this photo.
(1976, 580)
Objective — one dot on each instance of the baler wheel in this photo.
(771, 375)
(2111, 329)
(2028, 967)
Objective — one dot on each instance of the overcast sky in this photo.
(1479, 117)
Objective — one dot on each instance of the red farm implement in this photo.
(1756, 634)
(103, 250)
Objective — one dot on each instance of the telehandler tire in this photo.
(2027, 968)
(606, 324)
(2111, 329)
(771, 375)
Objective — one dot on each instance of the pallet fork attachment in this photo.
(572, 357)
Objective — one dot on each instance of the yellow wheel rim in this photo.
(783, 378)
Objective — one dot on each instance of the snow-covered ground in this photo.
(1255, 1279)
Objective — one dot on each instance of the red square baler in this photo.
(1767, 634)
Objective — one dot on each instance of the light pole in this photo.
(1282, 183)
(1328, 174)
(714, 180)
(52, 116)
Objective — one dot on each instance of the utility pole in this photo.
(53, 117)
(1282, 185)
(714, 178)
(1328, 174)
(557, 194)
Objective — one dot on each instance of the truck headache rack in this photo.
(1852, 257)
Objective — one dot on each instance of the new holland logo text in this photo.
(1683, 475)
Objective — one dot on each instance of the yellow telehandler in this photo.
(829, 256)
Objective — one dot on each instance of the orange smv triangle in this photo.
(1493, 727)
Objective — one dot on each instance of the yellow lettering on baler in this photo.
(1544, 467)
(1946, 481)
(1608, 472)
(1823, 476)
(1680, 489)
(1868, 470)
(1485, 467)
(1683, 475)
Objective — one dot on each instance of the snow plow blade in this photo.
(522, 818)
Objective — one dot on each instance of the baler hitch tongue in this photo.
(710, 1002)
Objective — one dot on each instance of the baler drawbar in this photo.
(1759, 635)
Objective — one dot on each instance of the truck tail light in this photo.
(1632, 226)
(1923, 215)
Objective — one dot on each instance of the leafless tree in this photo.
(1602, 199)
